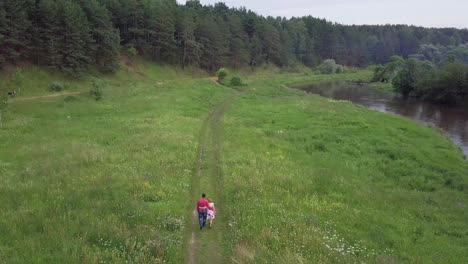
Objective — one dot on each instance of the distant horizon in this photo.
(418, 13)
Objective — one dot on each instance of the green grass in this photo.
(303, 179)
(381, 86)
(318, 180)
(84, 181)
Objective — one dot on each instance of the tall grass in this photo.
(323, 181)
(108, 181)
(305, 179)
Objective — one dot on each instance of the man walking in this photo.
(202, 207)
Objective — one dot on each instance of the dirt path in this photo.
(204, 245)
(19, 99)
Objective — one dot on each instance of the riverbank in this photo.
(336, 182)
(449, 120)
(305, 178)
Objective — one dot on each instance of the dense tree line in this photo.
(438, 54)
(445, 82)
(72, 35)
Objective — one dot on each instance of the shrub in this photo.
(236, 81)
(132, 51)
(329, 66)
(221, 74)
(56, 87)
(96, 89)
(339, 69)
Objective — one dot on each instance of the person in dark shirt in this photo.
(202, 208)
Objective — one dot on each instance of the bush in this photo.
(221, 74)
(329, 66)
(132, 51)
(236, 81)
(96, 89)
(339, 69)
(56, 87)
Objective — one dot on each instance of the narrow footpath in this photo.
(205, 245)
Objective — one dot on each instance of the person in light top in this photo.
(211, 212)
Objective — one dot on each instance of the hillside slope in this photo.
(304, 179)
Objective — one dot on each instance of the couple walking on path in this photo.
(206, 210)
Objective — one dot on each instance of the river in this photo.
(453, 120)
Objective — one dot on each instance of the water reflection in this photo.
(453, 120)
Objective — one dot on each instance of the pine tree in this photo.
(271, 43)
(191, 49)
(45, 34)
(238, 53)
(106, 40)
(162, 27)
(211, 35)
(3, 24)
(14, 25)
(74, 45)
(257, 57)
(73, 34)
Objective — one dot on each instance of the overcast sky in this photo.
(428, 13)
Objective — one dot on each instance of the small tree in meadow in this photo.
(330, 67)
(132, 51)
(96, 89)
(339, 69)
(236, 81)
(56, 87)
(221, 74)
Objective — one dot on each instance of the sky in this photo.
(427, 13)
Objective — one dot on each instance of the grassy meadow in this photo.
(324, 181)
(101, 182)
(300, 179)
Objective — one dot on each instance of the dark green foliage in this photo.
(190, 48)
(96, 89)
(56, 87)
(236, 81)
(2, 33)
(330, 67)
(45, 32)
(73, 36)
(212, 36)
(447, 83)
(238, 42)
(221, 74)
(75, 40)
(161, 21)
(14, 24)
(438, 54)
(106, 41)
(132, 51)
(389, 71)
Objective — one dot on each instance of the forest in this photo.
(446, 83)
(74, 36)
(438, 74)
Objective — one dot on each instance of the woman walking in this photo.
(211, 212)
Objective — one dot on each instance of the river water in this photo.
(453, 120)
